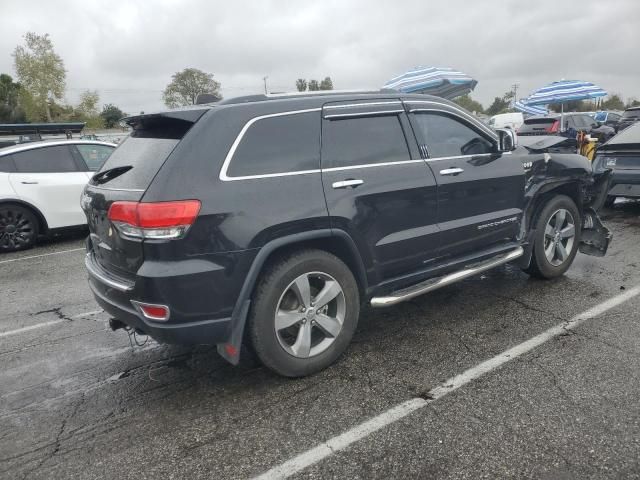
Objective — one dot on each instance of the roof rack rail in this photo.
(281, 95)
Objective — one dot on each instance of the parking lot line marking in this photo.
(344, 440)
(47, 324)
(41, 255)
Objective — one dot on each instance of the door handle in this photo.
(347, 183)
(26, 182)
(451, 171)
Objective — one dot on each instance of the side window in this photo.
(445, 136)
(285, 144)
(6, 164)
(45, 160)
(363, 141)
(94, 155)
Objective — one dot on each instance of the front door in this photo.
(480, 191)
(377, 187)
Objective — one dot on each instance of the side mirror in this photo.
(507, 140)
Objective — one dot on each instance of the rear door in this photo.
(92, 155)
(50, 178)
(480, 191)
(377, 187)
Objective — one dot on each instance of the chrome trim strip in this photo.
(451, 171)
(370, 165)
(464, 114)
(433, 284)
(123, 287)
(464, 156)
(367, 104)
(362, 114)
(225, 165)
(117, 189)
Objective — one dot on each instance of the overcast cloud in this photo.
(129, 50)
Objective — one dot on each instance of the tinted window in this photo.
(601, 116)
(290, 143)
(363, 141)
(613, 117)
(94, 155)
(45, 160)
(6, 164)
(445, 136)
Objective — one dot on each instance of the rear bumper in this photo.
(114, 295)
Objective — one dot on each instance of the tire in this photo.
(18, 228)
(295, 341)
(609, 201)
(553, 247)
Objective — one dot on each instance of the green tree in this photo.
(314, 86)
(632, 102)
(614, 102)
(11, 110)
(301, 85)
(500, 104)
(326, 84)
(185, 86)
(465, 101)
(40, 71)
(111, 115)
(88, 105)
(572, 106)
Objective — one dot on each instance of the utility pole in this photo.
(515, 92)
(265, 83)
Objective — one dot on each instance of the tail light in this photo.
(554, 128)
(157, 220)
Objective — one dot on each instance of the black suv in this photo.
(265, 223)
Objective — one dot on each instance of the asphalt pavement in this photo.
(79, 401)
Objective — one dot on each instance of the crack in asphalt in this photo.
(57, 443)
(527, 306)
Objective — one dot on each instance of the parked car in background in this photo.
(507, 120)
(267, 222)
(40, 187)
(622, 155)
(573, 123)
(609, 118)
(629, 116)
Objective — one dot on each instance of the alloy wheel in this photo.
(310, 314)
(16, 229)
(559, 237)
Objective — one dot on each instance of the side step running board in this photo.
(435, 283)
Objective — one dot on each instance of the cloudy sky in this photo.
(129, 50)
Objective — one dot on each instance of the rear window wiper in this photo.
(110, 174)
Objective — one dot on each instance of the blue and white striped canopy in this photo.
(524, 107)
(565, 91)
(438, 81)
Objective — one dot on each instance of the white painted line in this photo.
(42, 255)
(47, 324)
(344, 440)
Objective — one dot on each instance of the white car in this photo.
(40, 187)
(507, 120)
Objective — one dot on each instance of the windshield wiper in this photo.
(110, 174)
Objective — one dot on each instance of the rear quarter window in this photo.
(279, 144)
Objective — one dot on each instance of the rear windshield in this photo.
(536, 125)
(138, 158)
(634, 114)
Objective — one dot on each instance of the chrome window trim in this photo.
(362, 114)
(225, 165)
(443, 110)
(367, 104)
